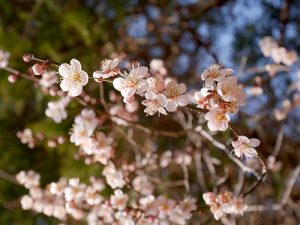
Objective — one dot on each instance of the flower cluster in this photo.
(220, 95)
(161, 95)
(224, 203)
(57, 109)
(70, 197)
(95, 146)
(26, 137)
(270, 48)
(126, 193)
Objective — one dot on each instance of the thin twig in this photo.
(199, 171)
(290, 184)
(8, 177)
(102, 97)
(186, 177)
(278, 142)
(224, 149)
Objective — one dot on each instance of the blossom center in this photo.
(76, 77)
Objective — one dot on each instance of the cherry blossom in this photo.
(142, 185)
(114, 177)
(107, 70)
(73, 78)
(155, 103)
(29, 179)
(266, 45)
(270, 48)
(132, 82)
(217, 120)
(245, 146)
(26, 137)
(215, 73)
(48, 79)
(57, 109)
(175, 95)
(157, 66)
(119, 200)
(26, 202)
(84, 126)
(224, 203)
(156, 84)
(164, 206)
(227, 88)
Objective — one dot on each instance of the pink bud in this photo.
(38, 69)
(12, 78)
(27, 57)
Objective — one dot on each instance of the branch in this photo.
(224, 149)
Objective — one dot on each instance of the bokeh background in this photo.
(188, 35)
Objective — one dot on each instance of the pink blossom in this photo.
(245, 146)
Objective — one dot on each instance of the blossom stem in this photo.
(31, 57)
(17, 73)
(186, 178)
(233, 130)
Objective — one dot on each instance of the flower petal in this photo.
(251, 152)
(128, 92)
(76, 66)
(171, 106)
(84, 78)
(212, 126)
(150, 95)
(97, 75)
(142, 71)
(181, 88)
(75, 90)
(114, 63)
(142, 87)
(183, 100)
(119, 83)
(65, 85)
(253, 142)
(64, 70)
(162, 110)
(162, 100)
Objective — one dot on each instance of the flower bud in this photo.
(12, 78)
(38, 69)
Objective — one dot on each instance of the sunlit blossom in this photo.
(73, 78)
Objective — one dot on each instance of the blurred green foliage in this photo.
(59, 30)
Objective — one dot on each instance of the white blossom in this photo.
(107, 70)
(217, 120)
(215, 73)
(224, 203)
(73, 78)
(245, 146)
(57, 110)
(26, 202)
(48, 79)
(155, 103)
(132, 82)
(114, 177)
(119, 200)
(164, 206)
(175, 95)
(142, 185)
